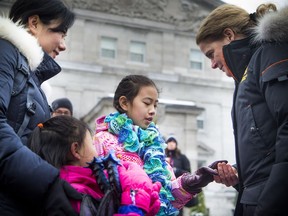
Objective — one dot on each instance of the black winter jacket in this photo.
(260, 115)
(24, 176)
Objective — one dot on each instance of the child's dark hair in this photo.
(52, 139)
(47, 10)
(130, 87)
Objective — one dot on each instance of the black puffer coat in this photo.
(260, 115)
(24, 176)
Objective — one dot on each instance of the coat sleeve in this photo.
(22, 172)
(274, 85)
(181, 196)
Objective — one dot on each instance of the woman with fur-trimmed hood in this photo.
(30, 39)
(253, 50)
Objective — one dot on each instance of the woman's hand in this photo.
(227, 175)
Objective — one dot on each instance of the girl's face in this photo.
(51, 42)
(87, 151)
(144, 106)
(214, 51)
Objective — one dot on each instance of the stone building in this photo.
(113, 38)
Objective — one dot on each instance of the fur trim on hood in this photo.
(272, 27)
(25, 42)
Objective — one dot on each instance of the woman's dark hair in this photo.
(47, 10)
(52, 139)
(130, 87)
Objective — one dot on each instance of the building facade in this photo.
(113, 38)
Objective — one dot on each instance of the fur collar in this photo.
(25, 42)
(273, 27)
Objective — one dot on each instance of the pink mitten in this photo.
(137, 188)
(154, 202)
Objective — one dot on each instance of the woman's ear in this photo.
(75, 150)
(229, 34)
(123, 102)
(33, 24)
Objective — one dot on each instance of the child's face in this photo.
(87, 151)
(143, 108)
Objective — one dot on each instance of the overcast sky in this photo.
(251, 5)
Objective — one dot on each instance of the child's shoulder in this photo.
(100, 124)
(105, 141)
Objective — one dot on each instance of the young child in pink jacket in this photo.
(66, 143)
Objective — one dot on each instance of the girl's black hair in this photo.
(129, 87)
(52, 139)
(47, 10)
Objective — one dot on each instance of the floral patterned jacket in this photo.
(105, 139)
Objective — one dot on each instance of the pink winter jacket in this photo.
(105, 141)
(83, 181)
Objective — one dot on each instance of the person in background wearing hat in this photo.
(180, 164)
(62, 106)
(177, 160)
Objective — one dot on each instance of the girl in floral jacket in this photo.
(131, 133)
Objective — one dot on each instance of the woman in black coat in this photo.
(30, 39)
(253, 50)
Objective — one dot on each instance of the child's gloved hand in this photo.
(138, 189)
(193, 183)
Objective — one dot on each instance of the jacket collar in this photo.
(237, 55)
(22, 40)
(44, 66)
(47, 69)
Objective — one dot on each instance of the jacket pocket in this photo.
(251, 194)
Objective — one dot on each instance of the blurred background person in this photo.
(62, 106)
(180, 164)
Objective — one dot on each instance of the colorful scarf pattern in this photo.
(150, 146)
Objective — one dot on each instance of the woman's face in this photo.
(171, 145)
(51, 42)
(214, 51)
(144, 106)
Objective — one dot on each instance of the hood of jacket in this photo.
(272, 27)
(25, 42)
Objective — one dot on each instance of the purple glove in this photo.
(193, 183)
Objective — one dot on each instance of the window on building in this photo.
(137, 51)
(200, 122)
(108, 47)
(196, 59)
